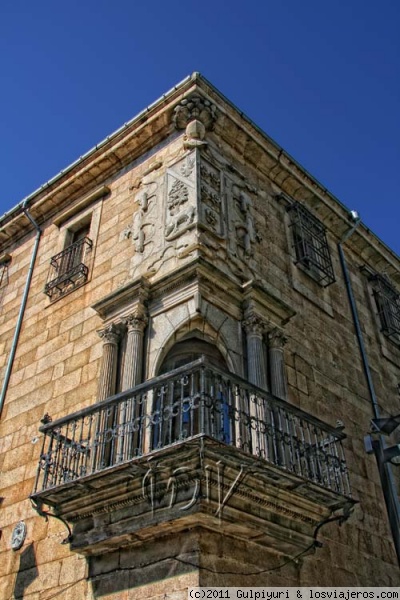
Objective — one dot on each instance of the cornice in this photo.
(121, 300)
(132, 140)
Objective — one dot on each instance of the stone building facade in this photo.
(175, 318)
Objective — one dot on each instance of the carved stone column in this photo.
(276, 342)
(132, 374)
(108, 374)
(256, 367)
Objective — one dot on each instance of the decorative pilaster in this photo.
(108, 374)
(256, 367)
(132, 374)
(276, 343)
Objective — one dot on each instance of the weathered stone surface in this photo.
(197, 210)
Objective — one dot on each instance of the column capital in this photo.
(136, 321)
(277, 338)
(253, 323)
(110, 334)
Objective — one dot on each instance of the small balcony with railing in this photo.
(194, 447)
(69, 269)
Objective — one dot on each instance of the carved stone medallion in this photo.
(18, 535)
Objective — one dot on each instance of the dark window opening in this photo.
(69, 269)
(176, 408)
(310, 244)
(387, 300)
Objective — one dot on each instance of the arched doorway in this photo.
(190, 349)
(181, 411)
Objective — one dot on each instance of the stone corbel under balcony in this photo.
(199, 483)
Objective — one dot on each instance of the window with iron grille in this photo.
(69, 269)
(310, 244)
(387, 300)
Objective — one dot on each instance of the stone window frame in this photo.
(385, 305)
(387, 301)
(389, 345)
(310, 244)
(85, 248)
(300, 278)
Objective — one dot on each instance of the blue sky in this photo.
(321, 78)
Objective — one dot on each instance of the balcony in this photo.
(68, 269)
(194, 447)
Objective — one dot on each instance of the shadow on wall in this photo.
(154, 564)
(27, 571)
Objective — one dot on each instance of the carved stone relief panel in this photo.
(143, 232)
(199, 204)
(144, 220)
(241, 227)
(211, 198)
(180, 202)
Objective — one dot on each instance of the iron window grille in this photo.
(68, 269)
(387, 300)
(310, 244)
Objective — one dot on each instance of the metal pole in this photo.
(391, 507)
(24, 300)
(385, 472)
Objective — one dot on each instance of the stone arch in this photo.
(193, 326)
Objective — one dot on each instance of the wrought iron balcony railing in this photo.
(191, 401)
(69, 268)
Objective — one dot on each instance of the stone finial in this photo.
(195, 134)
(253, 323)
(195, 108)
(110, 334)
(276, 338)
